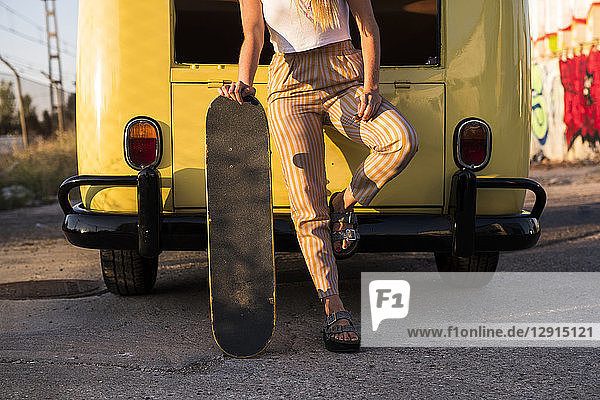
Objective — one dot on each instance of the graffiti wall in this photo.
(565, 79)
(548, 128)
(566, 108)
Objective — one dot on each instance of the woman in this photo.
(316, 74)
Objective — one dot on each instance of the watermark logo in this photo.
(389, 300)
(513, 309)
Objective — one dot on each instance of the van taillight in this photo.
(142, 142)
(472, 144)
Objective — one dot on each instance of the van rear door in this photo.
(411, 78)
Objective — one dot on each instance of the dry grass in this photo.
(41, 168)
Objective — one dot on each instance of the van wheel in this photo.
(478, 262)
(127, 273)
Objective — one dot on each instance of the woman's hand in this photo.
(237, 91)
(370, 101)
(253, 26)
(369, 43)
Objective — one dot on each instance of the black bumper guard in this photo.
(151, 231)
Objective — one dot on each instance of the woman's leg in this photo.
(391, 138)
(295, 114)
(298, 138)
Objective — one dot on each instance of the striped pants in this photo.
(304, 88)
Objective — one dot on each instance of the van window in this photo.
(210, 32)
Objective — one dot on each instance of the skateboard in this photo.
(240, 226)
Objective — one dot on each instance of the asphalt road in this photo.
(160, 346)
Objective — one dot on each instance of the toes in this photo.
(346, 336)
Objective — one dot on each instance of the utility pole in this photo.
(21, 107)
(60, 104)
(54, 56)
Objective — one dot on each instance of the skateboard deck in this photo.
(240, 226)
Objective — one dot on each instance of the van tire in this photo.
(478, 262)
(127, 273)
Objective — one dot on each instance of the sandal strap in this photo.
(348, 217)
(333, 329)
(346, 234)
(331, 318)
(351, 234)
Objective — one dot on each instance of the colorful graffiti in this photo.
(582, 96)
(548, 128)
(566, 108)
(565, 79)
(539, 123)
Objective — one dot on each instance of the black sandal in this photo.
(329, 330)
(350, 234)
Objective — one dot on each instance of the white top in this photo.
(293, 30)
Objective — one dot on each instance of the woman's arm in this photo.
(369, 40)
(253, 26)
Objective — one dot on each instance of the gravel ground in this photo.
(160, 346)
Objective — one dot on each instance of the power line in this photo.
(30, 80)
(29, 64)
(32, 22)
(31, 38)
(23, 17)
(35, 72)
(18, 59)
(22, 64)
(25, 79)
(22, 35)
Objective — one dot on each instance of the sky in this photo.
(22, 43)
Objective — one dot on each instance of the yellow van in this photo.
(147, 71)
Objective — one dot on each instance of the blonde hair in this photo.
(325, 13)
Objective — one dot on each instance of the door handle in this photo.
(217, 83)
(402, 85)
